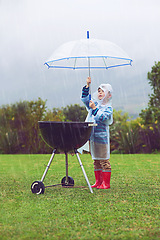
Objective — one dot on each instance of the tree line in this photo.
(19, 132)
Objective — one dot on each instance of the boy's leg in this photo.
(106, 174)
(98, 173)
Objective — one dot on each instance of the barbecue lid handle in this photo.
(92, 124)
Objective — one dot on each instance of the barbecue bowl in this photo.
(65, 136)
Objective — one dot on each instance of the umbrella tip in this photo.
(87, 34)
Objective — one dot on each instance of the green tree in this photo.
(124, 133)
(19, 132)
(54, 115)
(152, 113)
(75, 113)
(150, 133)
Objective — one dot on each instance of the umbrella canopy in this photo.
(88, 54)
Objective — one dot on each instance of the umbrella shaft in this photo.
(89, 72)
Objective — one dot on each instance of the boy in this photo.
(100, 112)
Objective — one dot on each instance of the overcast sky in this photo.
(30, 30)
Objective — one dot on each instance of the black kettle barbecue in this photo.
(63, 137)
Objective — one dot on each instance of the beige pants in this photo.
(103, 165)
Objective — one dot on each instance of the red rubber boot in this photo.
(106, 180)
(98, 177)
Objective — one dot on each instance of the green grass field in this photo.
(128, 210)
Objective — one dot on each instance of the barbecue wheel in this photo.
(37, 187)
(70, 182)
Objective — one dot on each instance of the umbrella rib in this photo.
(105, 62)
(75, 63)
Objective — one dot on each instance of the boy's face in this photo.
(101, 94)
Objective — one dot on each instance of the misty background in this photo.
(31, 30)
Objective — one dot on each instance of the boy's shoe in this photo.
(98, 177)
(106, 180)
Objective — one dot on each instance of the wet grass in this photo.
(129, 210)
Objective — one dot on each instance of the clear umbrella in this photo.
(88, 54)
